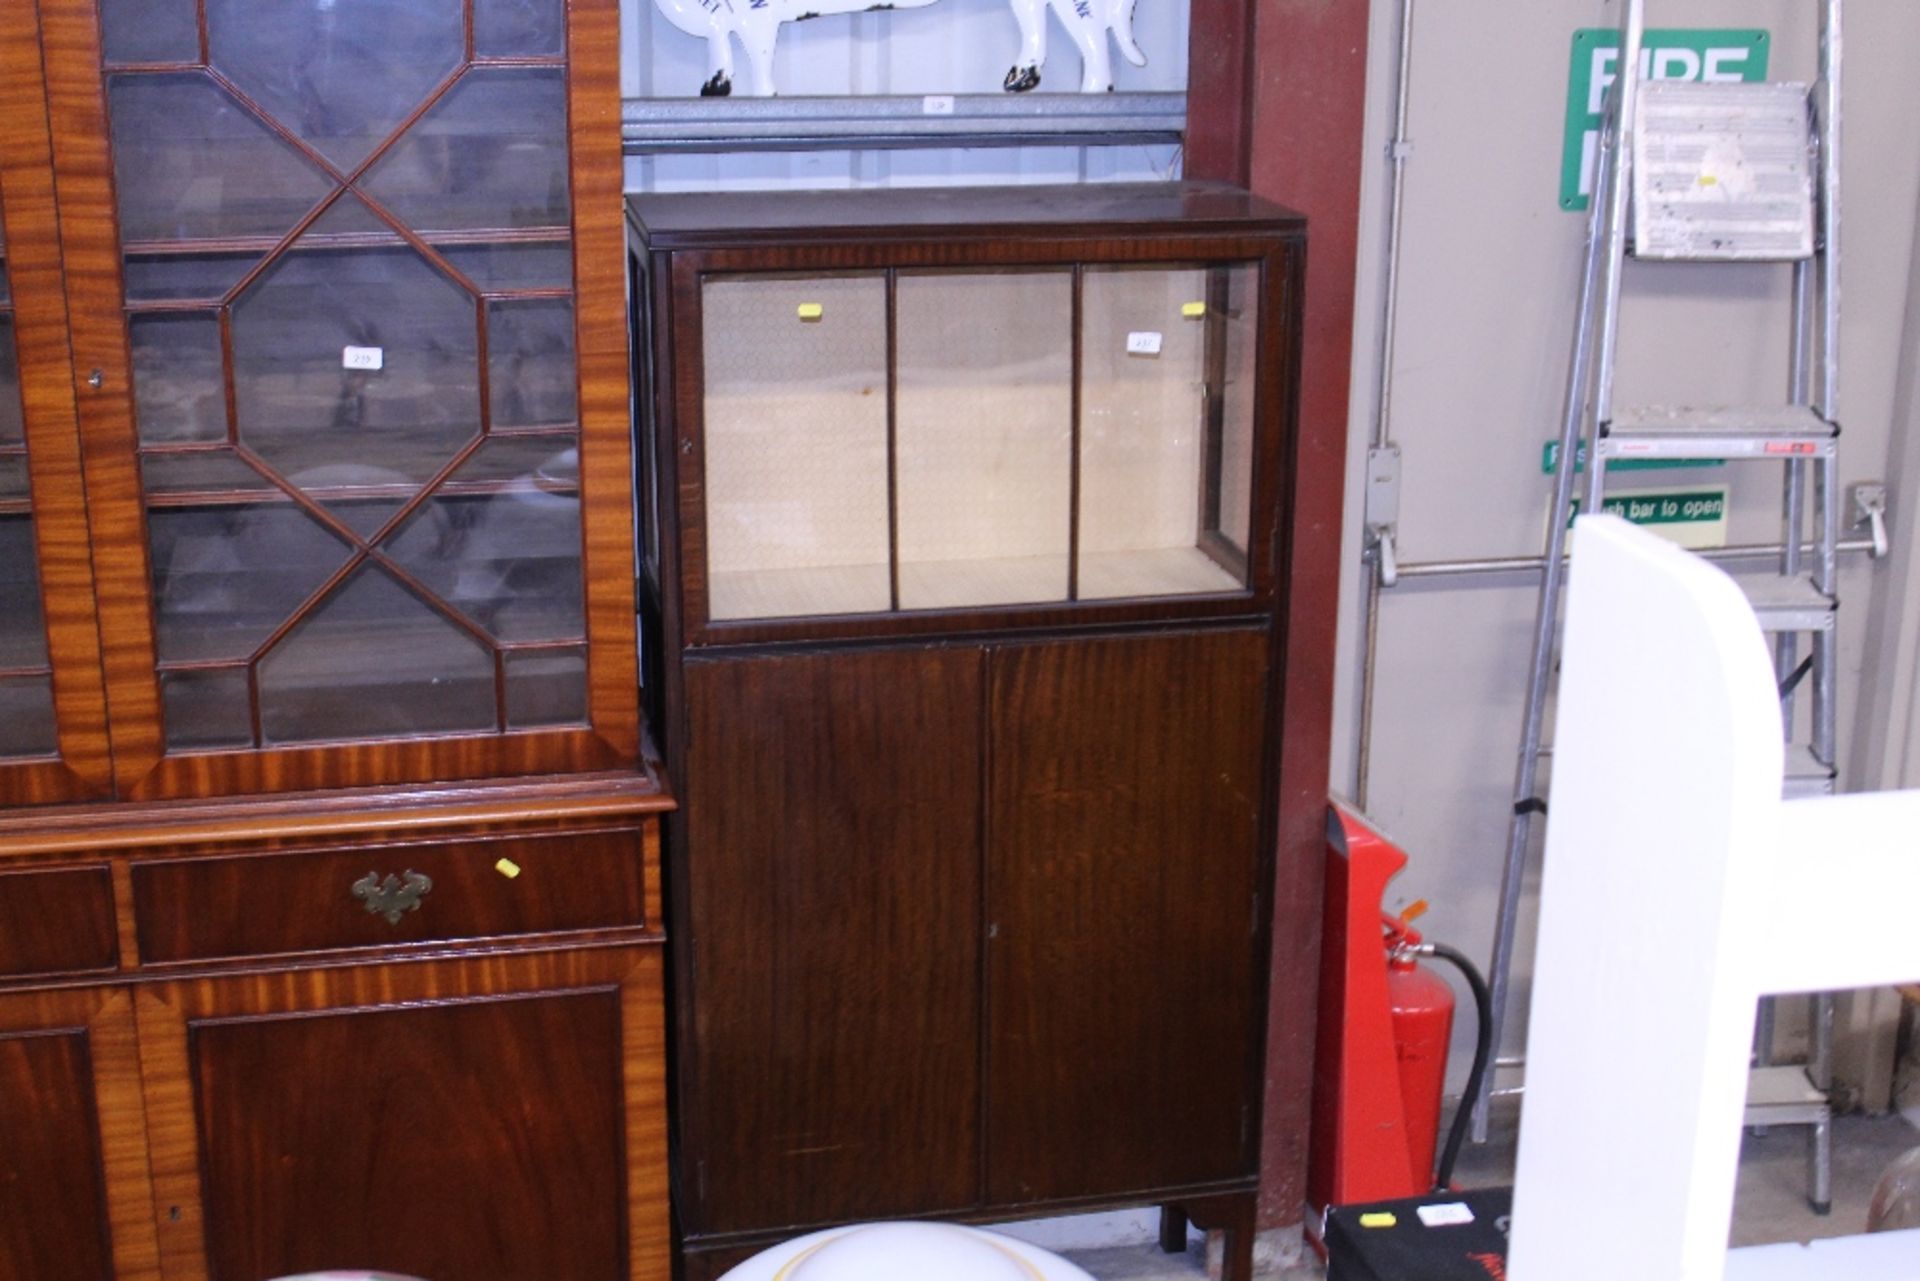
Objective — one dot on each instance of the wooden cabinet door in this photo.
(347, 297)
(53, 733)
(830, 1060)
(1124, 805)
(493, 1117)
(75, 1202)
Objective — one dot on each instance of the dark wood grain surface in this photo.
(75, 1200)
(53, 1215)
(93, 829)
(90, 247)
(479, 1139)
(57, 922)
(480, 1117)
(1003, 214)
(606, 429)
(1123, 818)
(304, 901)
(27, 208)
(830, 1065)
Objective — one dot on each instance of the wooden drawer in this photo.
(57, 922)
(326, 900)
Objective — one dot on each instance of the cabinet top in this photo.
(692, 220)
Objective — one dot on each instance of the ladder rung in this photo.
(1782, 1095)
(1806, 775)
(1719, 431)
(1785, 603)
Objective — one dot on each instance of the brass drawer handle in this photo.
(393, 897)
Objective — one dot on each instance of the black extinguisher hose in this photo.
(1482, 1058)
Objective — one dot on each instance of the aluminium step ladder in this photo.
(1696, 172)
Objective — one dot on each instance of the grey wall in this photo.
(1486, 311)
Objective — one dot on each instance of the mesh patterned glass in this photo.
(26, 678)
(347, 237)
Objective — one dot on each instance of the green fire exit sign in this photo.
(1716, 55)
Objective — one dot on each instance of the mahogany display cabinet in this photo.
(962, 607)
(331, 929)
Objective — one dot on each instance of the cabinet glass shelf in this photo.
(914, 439)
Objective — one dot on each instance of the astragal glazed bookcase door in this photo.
(53, 741)
(361, 421)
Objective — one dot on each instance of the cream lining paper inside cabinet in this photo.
(796, 440)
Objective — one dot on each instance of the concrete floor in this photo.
(1769, 1201)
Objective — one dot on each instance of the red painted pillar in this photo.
(1308, 110)
(1277, 100)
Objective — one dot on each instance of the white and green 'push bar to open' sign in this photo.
(1717, 55)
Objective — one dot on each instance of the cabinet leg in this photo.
(1173, 1230)
(1233, 1218)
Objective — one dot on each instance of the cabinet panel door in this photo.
(497, 1118)
(53, 734)
(1123, 818)
(75, 1204)
(832, 848)
(358, 456)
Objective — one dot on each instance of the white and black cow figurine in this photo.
(757, 23)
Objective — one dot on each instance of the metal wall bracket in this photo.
(1383, 509)
(656, 125)
(1869, 507)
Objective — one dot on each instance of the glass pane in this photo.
(492, 153)
(225, 577)
(181, 475)
(340, 74)
(505, 552)
(23, 633)
(546, 687)
(182, 277)
(12, 427)
(179, 392)
(367, 356)
(530, 365)
(373, 661)
(150, 30)
(984, 437)
(796, 445)
(1144, 403)
(544, 461)
(509, 28)
(207, 708)
(26, 716)
(513, 265)
(1236, 327)
(13, 480)
(190, 163)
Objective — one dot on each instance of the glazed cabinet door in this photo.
(496, 1117)
(347, 277)
(829, 1064)
(53, 741)
(75, 1203)
(878, 444)
(1123, 855)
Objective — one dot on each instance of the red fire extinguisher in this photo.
(1384, 1026)
(1421, 1003)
